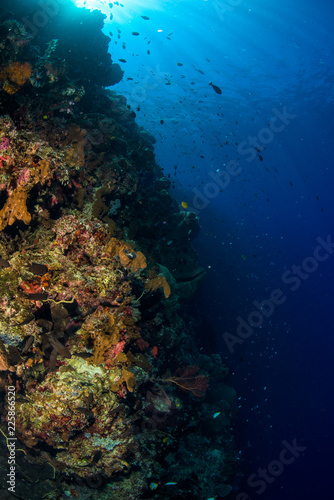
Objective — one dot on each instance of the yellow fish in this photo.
(184, 204)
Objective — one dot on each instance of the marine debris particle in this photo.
(96, 261)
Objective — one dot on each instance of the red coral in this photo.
(4, 158)
(31, 287)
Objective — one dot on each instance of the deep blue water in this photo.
(269, 59)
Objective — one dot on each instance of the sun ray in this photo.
(122, 11)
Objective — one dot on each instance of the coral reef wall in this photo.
(111, 393)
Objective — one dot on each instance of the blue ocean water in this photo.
(255, 163)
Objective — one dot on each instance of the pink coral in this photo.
(117, 349)
(23, 177)
(4, 144)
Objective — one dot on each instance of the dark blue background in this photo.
(264, 56)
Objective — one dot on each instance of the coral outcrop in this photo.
(95, 263)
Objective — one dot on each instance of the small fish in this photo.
(135, 33)
(58, 346)
(216, 414)
(90, 399)
(28, 344)
(4, 263)
(116, 410)
(37, 296)
(65, 368)
(21, 399)
(25, 321)
(83, 355)
(179, 64)
(215, 88)
(81, 409)
(153, 486)
(170, 484)
(97, 456)
(38, 269)
(53, 361)
(184, 204)
(145, 18)
(199, 70)
(122, 60)
(155, 351)
(44, 323)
